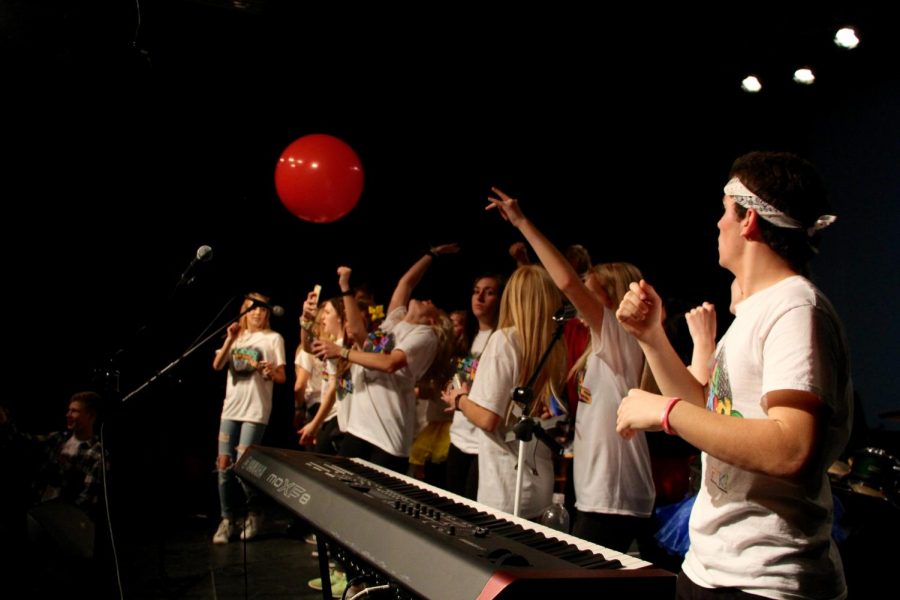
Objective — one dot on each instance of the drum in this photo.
(874, 472)
(838, 470)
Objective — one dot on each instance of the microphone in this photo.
(204, 254)
(273, 308)
(565, 313)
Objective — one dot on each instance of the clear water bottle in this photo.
(556, 516)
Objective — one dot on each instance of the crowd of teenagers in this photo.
(420, 390)
(768, 407)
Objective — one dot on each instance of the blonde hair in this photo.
(615, 277)
(528, 304)
(245, 310)
(441, 368)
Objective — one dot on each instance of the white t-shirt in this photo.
(497, 376)
(248, 395)
(767, 535)
(312, 394)
(612, 475)
(343, 402)
(463, 434)
(383, 405)
(322, 373)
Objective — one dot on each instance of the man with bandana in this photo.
(778, 407)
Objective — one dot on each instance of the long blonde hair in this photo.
(528, 304)
(615, 277)
(245, 309)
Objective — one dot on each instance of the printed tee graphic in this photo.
(584, 394)
(466, 367)
(719, 399)
(244, 362)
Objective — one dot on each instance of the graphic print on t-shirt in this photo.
(244, 361)
(466, 367)
(379, 342)
(344, 385)
(719, 399)
(584, 394)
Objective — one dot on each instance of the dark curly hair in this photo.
(792, 185)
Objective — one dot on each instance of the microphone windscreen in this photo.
(204, 253)
(277, 311)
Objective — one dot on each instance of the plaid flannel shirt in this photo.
(74, 479)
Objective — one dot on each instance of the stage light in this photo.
(751, 84)
(846, 38)
(804, 76)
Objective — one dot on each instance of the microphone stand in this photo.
(528, 426)
(187, 353)
(110, 372)
(204, 254)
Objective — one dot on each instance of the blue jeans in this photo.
(234, 438)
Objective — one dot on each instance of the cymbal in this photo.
(890, 415)
(839, 469)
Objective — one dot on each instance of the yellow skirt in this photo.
(432, 444)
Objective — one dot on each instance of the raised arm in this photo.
(409, 281)
(308, 321)
(559, 268)
(640, 313)
(355, 325)
(701, 322)
(779, 445)
(221, 358)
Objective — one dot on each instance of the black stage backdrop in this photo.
(135, 138)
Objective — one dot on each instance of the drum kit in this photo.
(866, 491)
(870, 472)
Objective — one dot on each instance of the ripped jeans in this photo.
(234, 438)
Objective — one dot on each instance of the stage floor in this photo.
(177, 559)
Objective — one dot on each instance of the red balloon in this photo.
(319, 178)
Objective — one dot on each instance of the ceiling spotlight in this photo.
(751, 84)
(846, 38)
(804, 76)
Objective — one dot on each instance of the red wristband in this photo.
(664, 417)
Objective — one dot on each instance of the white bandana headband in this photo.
(748, 199)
